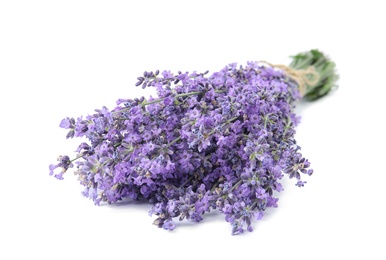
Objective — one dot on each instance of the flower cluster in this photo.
(219, 142)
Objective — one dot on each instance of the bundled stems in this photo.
(324, 68)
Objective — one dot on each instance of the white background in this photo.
(66, 58)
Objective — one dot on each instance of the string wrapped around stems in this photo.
(304, 77)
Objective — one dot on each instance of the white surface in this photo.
(65, 58)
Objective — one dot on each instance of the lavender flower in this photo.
(64, 164)
(218, 142)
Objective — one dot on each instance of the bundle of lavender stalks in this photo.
(206, 142)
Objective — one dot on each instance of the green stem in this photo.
(174, 141)
(253, 205)
(216, 184)
(187, 181)
(227, 122)
(76, 158)
(178, 96)
(323, 66)
(162, 99)
(236, 185)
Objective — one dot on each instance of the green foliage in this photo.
(323, 66)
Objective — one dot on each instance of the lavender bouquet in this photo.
(206, 142)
